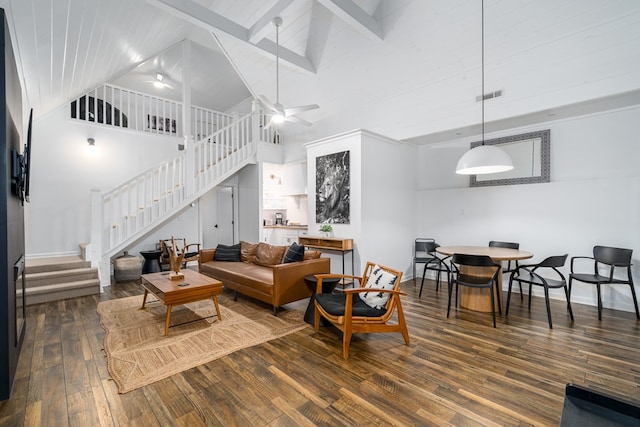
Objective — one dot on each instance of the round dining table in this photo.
(475, 298)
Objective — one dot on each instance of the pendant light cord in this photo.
(278, 64)
(482, 50)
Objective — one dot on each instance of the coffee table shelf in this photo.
(193, 287)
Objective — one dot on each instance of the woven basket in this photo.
(127, 268)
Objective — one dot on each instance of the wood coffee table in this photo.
(193, 287)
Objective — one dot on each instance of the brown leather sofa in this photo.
(260, 274)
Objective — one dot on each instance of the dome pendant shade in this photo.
(484, 159)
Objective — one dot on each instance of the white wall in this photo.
(383, 186)
(593, 199)
(183, 226)
(350, 141)
(63, 173)
(388, 201)
(249, 190)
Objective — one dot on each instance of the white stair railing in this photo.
(117, 106)
(126, 212)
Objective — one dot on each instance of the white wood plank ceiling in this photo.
(407, 69)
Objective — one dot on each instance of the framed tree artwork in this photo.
(333, 190)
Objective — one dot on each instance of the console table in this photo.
(330, 244)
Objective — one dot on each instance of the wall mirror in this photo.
(531, 155)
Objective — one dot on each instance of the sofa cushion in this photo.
(248, 251)
(250, 275)
(312, 254)
(269, 255)
(378, 279)
(334, 304)
(295, 253)
(227, 253)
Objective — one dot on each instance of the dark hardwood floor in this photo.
(458, 371)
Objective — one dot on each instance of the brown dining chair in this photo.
(368, 307)
(533, 275)
(462, 278)
(609, 258)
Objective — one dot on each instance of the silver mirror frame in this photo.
(545, 159)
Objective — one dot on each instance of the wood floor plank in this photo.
(456, 372)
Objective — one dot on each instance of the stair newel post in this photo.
(235, 140)
(255, 122)
(97, 258)
(189, 159)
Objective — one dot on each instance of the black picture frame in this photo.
(161, 124)
(333, 188)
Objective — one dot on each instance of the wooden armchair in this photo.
(365, 308)
(191, 251)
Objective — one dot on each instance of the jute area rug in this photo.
(138, 353)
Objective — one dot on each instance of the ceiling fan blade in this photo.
(300, 109)
(267, 103)
(298, 120)
(269, 124)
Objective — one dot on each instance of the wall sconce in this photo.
(91, 149)
(273, 177)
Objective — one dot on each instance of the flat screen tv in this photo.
(21, 167)
(27, 159)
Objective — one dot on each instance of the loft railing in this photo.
(126, 212)
(116, 106)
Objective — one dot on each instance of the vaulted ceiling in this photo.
(407, 69)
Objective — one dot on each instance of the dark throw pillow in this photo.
(227, 253)
(295, 253)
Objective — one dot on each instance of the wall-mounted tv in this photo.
(21, 167)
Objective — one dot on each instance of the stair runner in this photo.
(57, 278)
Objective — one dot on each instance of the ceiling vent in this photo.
(489, 95)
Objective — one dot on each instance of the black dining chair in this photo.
(420, 253)
(609, 258)
(533, 275)
(435, 263)
(508, 268)
(460, 278)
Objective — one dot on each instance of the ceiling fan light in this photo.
(158, 84)
(277, 118)
(484, 159)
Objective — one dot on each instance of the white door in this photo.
(216, 214)
(224, 222)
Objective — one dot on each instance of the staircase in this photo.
(125, 214)
(52, 279)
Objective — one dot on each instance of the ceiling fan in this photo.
(280, 114)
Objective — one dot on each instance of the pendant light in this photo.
(483, 159)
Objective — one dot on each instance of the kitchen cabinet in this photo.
(295, 179)
(283, 235)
